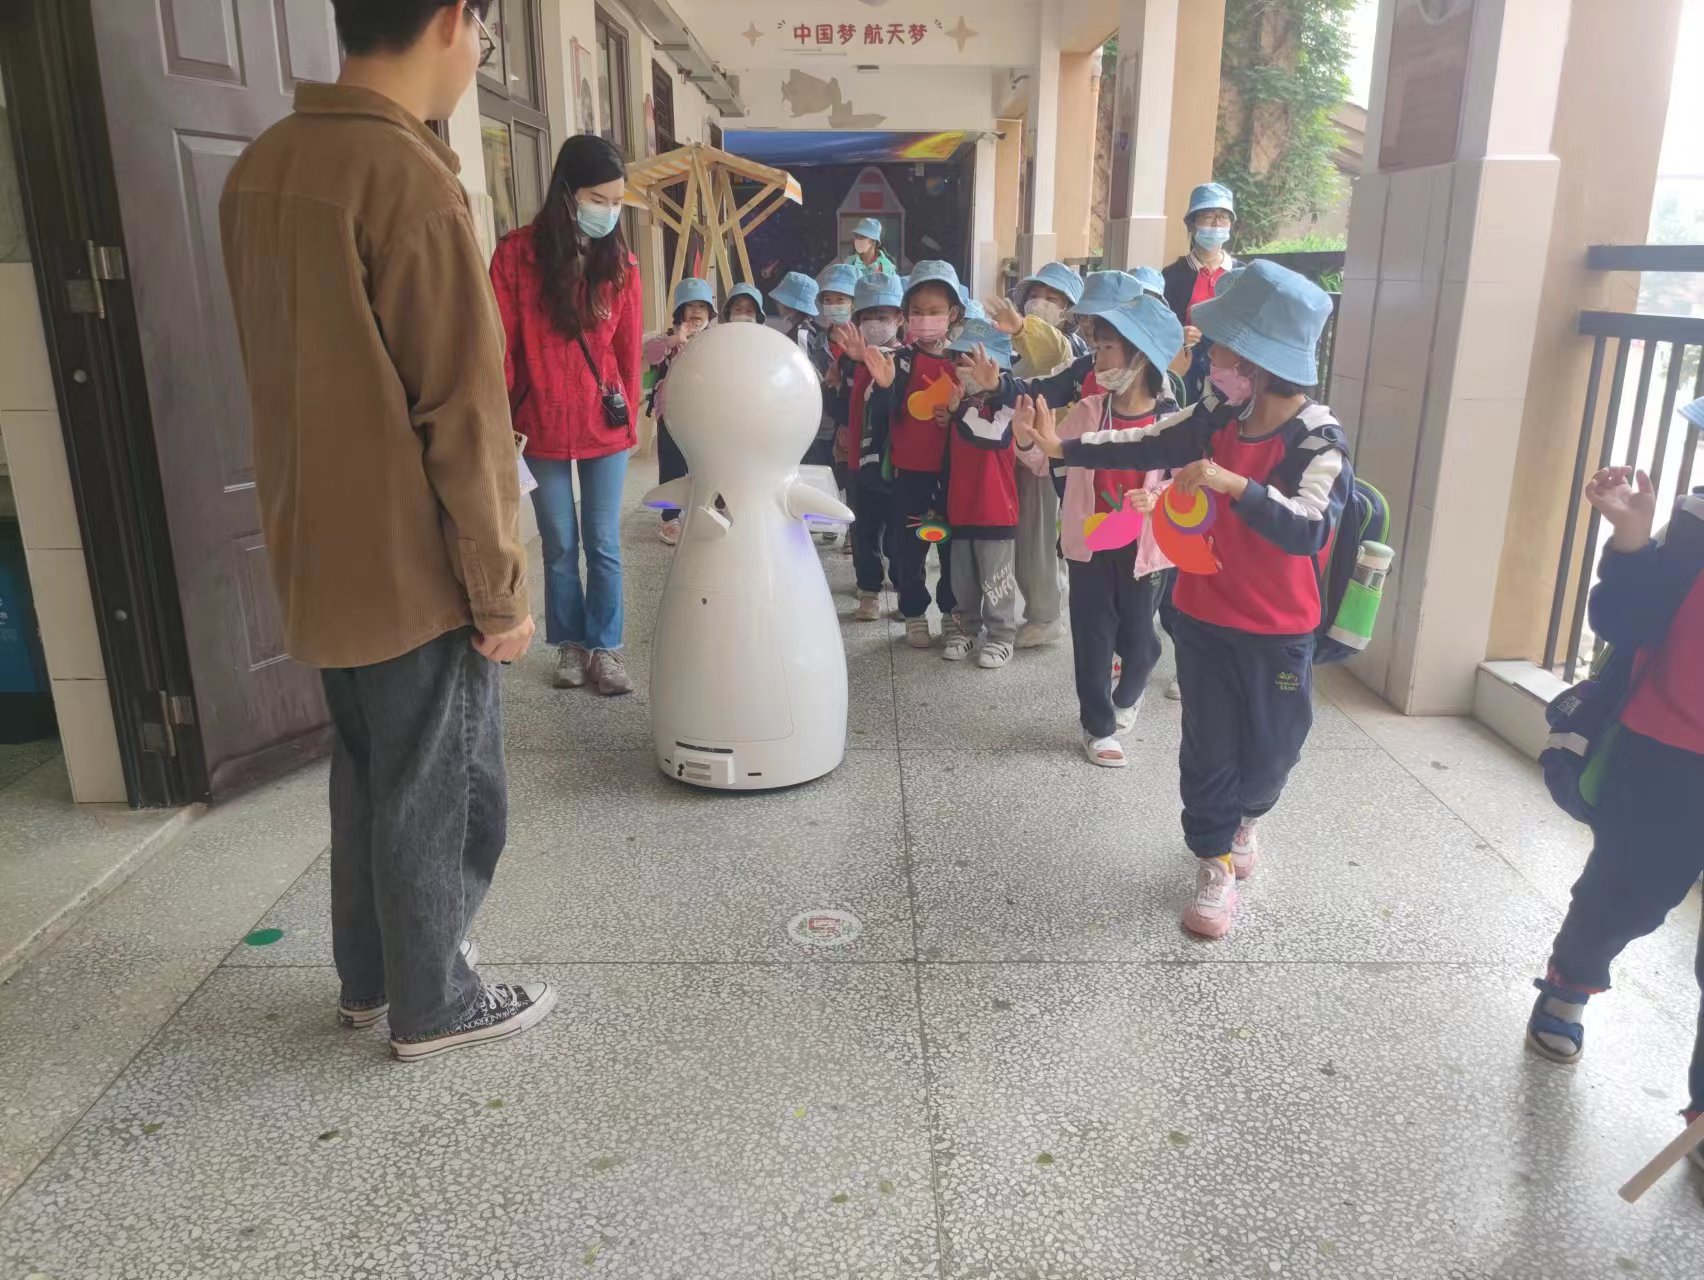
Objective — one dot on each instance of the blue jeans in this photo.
(590, 616)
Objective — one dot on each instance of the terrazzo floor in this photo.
(1020, 1068)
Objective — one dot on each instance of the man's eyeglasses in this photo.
(487, 45)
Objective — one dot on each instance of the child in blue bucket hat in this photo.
(795, 299)
(906, 396)
(1115, 591)
(1041, 346)
(835, 285)
(694, 309)
(982, 503)
(1275, 465)
(867, 253)
(1192, 279)
(744, 305)
(875, 533)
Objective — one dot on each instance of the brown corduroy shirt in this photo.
(383, 455)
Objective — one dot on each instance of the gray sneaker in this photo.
(609, 673)
(504, 1009)
(570, 666)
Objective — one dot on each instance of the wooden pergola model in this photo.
(692, 189)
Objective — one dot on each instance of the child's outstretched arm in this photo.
(1174, 441)
(1641, 583)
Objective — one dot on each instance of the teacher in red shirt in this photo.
(568, 290)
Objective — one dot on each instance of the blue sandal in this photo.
(1549, 1024)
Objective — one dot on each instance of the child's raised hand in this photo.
(1204, 473)
(1143, 500)
(1004, 316)
(1046, 430)
(1628, 500)
(955, 397)
(849, 339)
(1023, 422)
(980, 368)
(880, 365)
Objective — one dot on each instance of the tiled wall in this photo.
(41, 484)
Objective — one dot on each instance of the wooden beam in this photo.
(737, 230)
(689, 212)
(713, 230)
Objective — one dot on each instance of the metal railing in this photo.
(1618, 439)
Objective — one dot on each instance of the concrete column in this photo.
(1435, 341)
(1141, 132)
(1074, 173)
(1609, 145)
(1041, 245)
(985, 248)
(1008, 170)
(1194, 115)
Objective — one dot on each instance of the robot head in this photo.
(743, 394)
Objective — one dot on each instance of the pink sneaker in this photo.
(1214, 908)
(1245, 849)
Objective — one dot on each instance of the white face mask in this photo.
(1046, 308)
(745, 317)
(1115, 381)
(879, 333)
(836, 313)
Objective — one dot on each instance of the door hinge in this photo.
(84, 295)
(176, 711)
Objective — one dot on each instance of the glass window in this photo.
(514, 131)
(14, 236)
(500, 172)
(612, 84)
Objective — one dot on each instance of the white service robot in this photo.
(748, 670)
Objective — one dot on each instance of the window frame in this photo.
(500, 107)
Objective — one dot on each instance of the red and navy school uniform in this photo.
(982, 489)
(1245, 634)
(915, 454)
(875, 533)
(1647, 850)
(1188, 282)
(671, 462)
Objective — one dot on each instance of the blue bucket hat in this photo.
(1693, 412)
(1104, 290)
(1271, 316)
(743, 290)
(1150, 326)
(1151, 281)
(796, 290)
(1211, 195)
(877, 289)
(974, 310)
(1055, 275)
(933, 271)
(692, 289)
(839, 277)
(870, 229)
(996, 342)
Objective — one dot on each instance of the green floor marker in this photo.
(263, 937)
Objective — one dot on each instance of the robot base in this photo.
(746, 766)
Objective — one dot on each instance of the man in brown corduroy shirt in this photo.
(389, 494)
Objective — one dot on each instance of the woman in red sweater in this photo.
(568, 291)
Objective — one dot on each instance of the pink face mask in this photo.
(926, 328)
(1237, 387)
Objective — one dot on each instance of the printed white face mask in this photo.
(879, 333)
(1046, 308)
(1116, 381)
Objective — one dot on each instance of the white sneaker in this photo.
(869, 607)
(1245, 849)
(1125, 717)
(917, 633)
(1108, 753)
(1033, 635)
(669, 532)
(1214, 908)
(1174, 690)
(956, 645)
(504, 1009)
(995, 654)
